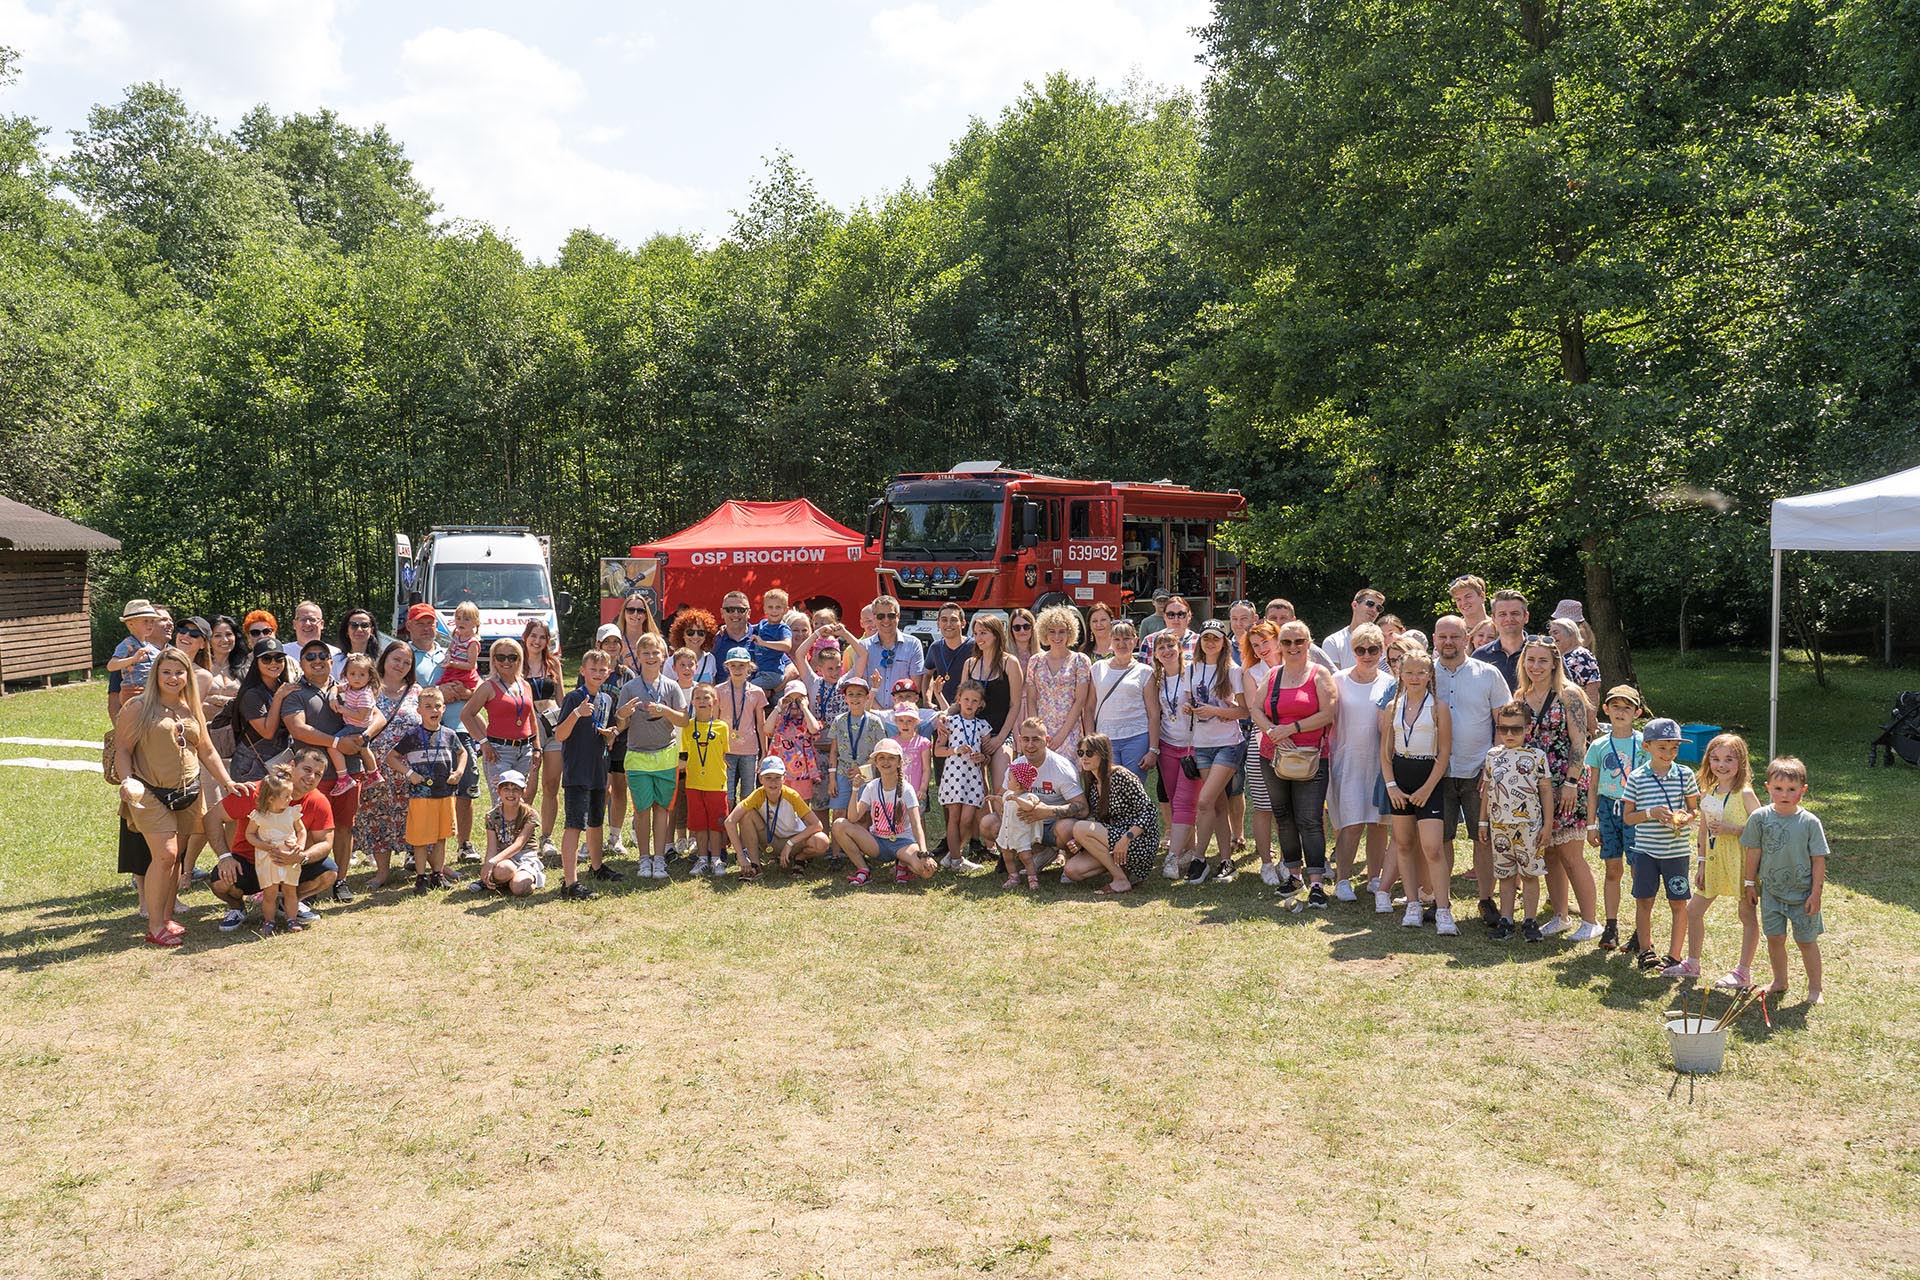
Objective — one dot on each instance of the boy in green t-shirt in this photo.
(1786, 851)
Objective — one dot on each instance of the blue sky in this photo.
(630, 119)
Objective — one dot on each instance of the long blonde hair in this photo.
(153, 707)
(1555, 684)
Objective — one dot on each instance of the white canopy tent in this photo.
(1878, 515)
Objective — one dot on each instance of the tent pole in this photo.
(1773, 675)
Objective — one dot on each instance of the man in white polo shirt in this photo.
(1473, 690)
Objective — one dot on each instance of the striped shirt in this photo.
(1649, 790)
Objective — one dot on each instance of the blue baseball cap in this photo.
(739, 654)
(1661, 730)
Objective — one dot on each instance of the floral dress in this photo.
(790, 741)
(1547, 729)
(381, 825)
(1581, 667)
(1054, 692)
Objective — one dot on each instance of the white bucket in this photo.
(1697, 1048)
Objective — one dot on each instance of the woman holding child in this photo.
(380, 826)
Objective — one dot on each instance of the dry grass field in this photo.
(798, 1079)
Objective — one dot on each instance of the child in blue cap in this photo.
(1662, 804)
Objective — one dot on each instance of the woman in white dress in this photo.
(1354, 766)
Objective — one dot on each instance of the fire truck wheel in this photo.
(1049, 600)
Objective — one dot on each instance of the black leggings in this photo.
(1299, 816)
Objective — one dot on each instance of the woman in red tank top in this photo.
(506, 699)
(1299, 703)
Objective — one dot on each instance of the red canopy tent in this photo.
(751, 546)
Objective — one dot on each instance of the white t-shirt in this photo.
(1058, 780)
(1120, 699)
(1176, 724)
(1339, 648)
(1208, 732)
(891, 818)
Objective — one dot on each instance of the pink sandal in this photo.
(1033, 879)
(860, 877)
(1011, 882)
(163, 939)
(902, 876)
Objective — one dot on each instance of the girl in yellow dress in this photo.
(1726, 798)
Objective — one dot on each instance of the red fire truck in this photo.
(988, 538)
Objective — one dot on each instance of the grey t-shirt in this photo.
(1472, 693)
(311, 702)
(652, 733)
(1788, 844)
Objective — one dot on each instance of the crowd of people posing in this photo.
(1067, 739)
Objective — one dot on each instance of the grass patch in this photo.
(801, 1079)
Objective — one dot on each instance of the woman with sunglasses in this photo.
(1557, 724)
(1180, 624)
(1293, 714)
(1023, 641)
(258, 625)
(161, 749)
(1353, 767)
(694, 629)
(1121, 831)
(191, 638)
(1216, 711)
(1170, 722)
(380, 826)
(357, 634)
(259, 734)
(510, 741)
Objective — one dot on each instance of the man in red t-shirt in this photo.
(234, 879)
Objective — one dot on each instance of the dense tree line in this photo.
(1564, 295)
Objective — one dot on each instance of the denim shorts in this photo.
(890, 847)
(1649, 874)
(842, 792)
(1777, 913)
(586, 807)
(1616, 837)
(1218, 757)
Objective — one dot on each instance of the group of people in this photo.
(1068, 739)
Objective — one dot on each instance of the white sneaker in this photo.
(1373, 885)
(957, 863)
(1344, 891)
(1587, 932)
(1170, 868)
(1411, 920)
(1443, 924)
(716, 867)
(549, 851)
(660, 866)
(616, 849)
(1559, 924)
(1382, 903)
(1270, 875)
(700, 865)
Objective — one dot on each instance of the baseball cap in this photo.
(421, 610)
(511, 778)
(1661, 730)
(1622, 693)
(138, 608)
(1162, 595)
(1213, 626)
(738, 654)
(856, 682)
(905, 684)
(906, 710)
(792, 687)
(773, 764)
(268, 644)
(888, 747)
(607, 629)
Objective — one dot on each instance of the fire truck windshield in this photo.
(957, 530)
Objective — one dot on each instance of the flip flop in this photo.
(163, 939)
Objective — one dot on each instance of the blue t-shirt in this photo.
(134, 677)
(431, 753)
(1615, 758)
(1650, 790)
(583, 755)
(903, 660)
(768, 662)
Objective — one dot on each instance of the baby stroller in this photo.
(1901, 734)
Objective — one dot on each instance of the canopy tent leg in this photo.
(1773, 674)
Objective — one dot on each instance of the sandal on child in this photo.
(163, 939)
(902, 876)
(1033, 879)
(1734, 980)
(859, 877)
(1649, 959)
(1011, 882)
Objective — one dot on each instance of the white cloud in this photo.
(486, 120)
(982, 54)
(224, 55)
(630, 47)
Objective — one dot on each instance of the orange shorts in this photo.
(706, 810)
(429, 821)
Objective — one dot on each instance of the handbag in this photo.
(1190, 768)
(1296, 764)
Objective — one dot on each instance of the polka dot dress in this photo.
(963, 781)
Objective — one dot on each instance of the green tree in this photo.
(348, 183)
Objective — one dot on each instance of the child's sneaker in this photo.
(578, 892)
(1382, 902)
(1682, 969)
(1490, 914)
(616, 849)
(341, 785)
(1443, 924)
(1171, 867)
(700, 865)
(1411, 920)
(1531, 932)
(1610, 937)
(1559, 924)
(422, 882)
(660, 866)
(1317, 897)
(468, 853)
(1503, 929)
(1731, 980)
(266, 928)
(1586, 932)
(1270, 875)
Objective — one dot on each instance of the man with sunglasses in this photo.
(1338, 647)
(891, 654)
(311, 719)
(1473, 690)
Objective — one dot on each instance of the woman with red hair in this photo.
(694, 629)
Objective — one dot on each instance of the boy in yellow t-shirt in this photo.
(774, 818)
(704, 738)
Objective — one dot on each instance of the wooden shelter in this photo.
(45, 623)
